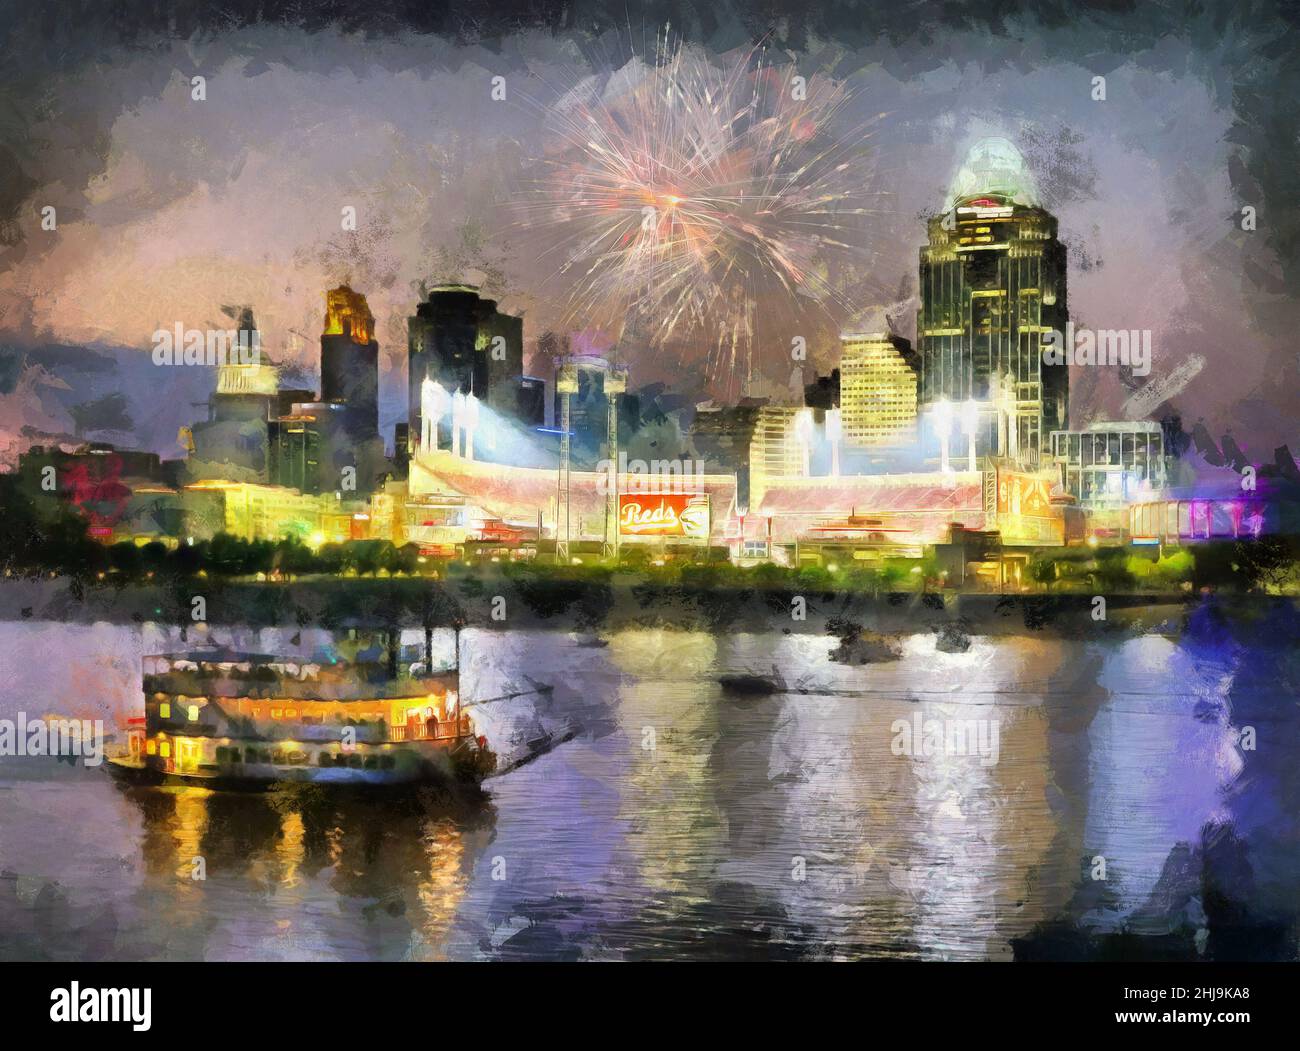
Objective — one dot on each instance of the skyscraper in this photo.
(878, 381)
(461, 341)
(993, 283)
(234, 441)
(349, 362)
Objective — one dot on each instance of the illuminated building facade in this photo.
(862, 518)
(235, 440)
(781, 446)
(1111, 464)
(1207, 512)
(444, 486)
(253, 512)
(992, 284)
(879, 374)
(238, 377)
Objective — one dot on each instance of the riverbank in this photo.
(618, 601)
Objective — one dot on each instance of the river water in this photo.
(1122, 806)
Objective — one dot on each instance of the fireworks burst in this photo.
(701, 202)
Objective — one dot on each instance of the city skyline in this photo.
(696, 480)
(220, 233)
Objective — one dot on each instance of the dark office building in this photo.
(462, 341)
(532, 401)
(288, 397)
(993, 282)
(310, 449)
(722, 436)
(349, 362)
(823, 392)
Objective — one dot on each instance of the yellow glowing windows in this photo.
(194, 713)
(151, 747)
(165, 749)
(164, 710)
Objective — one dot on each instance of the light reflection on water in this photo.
(679, 822)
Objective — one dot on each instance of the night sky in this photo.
(169, 209)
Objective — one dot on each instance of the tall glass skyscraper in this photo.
(453, 339)
(992, 285)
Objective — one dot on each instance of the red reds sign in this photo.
(664, 514)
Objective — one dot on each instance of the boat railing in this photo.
(431, 730)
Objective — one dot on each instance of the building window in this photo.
(164, 710)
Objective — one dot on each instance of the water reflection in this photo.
(681, 821)
(264, 863)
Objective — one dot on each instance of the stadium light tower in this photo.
(943, 427)
(566, 384)
(457, 421)
(970, 424)
(615, 384)
(834, 432)
(469, 417)
(433, 406)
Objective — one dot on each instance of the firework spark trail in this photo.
(697, 199)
